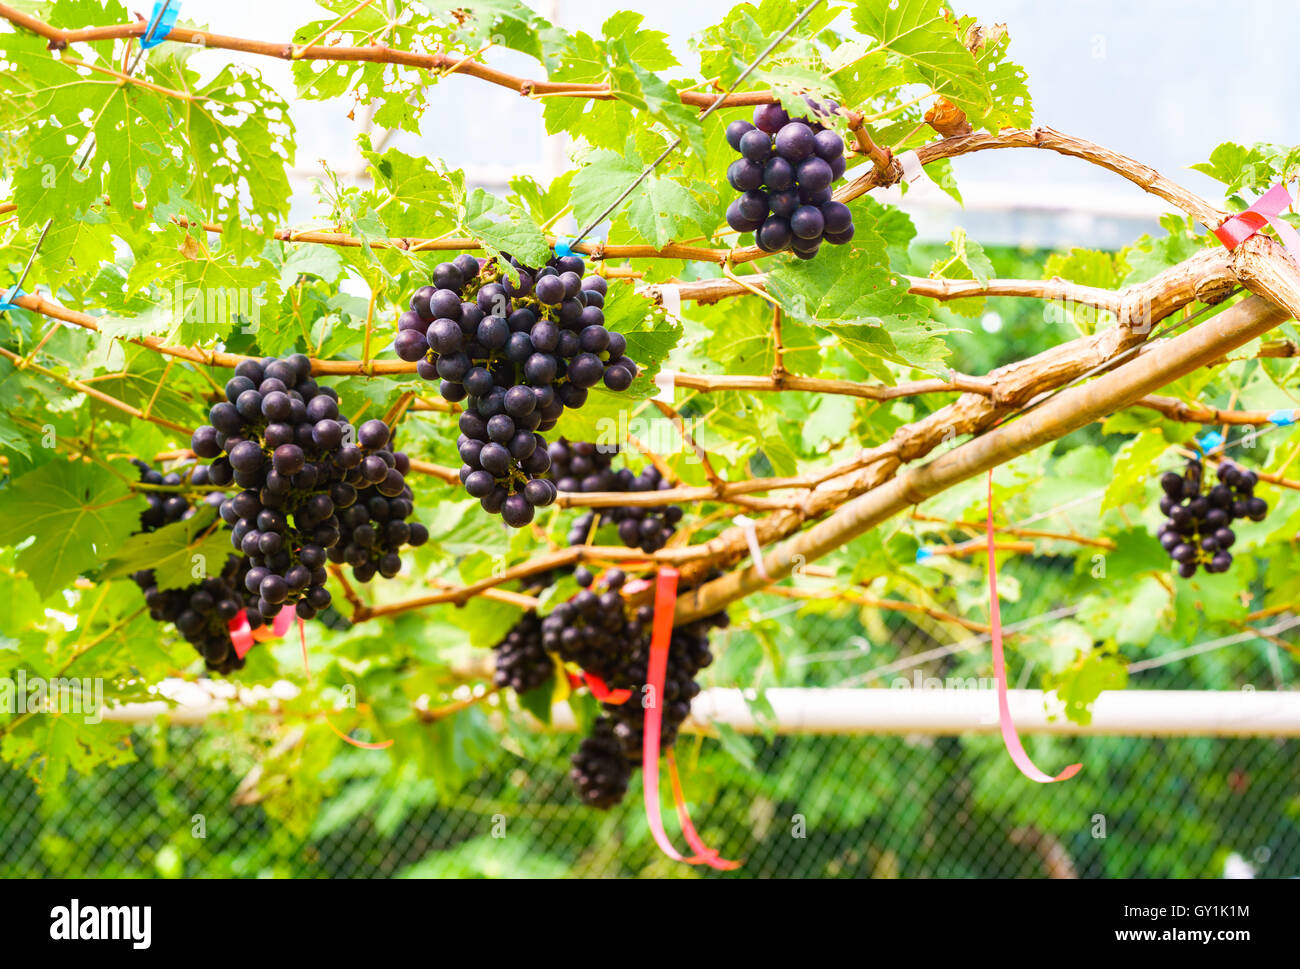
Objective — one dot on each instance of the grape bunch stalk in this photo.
(201, 611)
(279, 437)
(785, 173)
(517, 349)
(581, 466)
(1198, 532)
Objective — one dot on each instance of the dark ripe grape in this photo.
(617, 344)
(1257, 509)
(538, 492)
(318, 597)
(735, 131)
(468, 266)
(322, 408)
(570, 264)
(838, 165)
(288, 459)
(738, 222)
(246, 457)
(752, 207)
(1220, 496)
(425, 370)
(1199, 506)
(571, 395)
(521, 288)
(236, 386)
(274, 589)
(392, 484)
(1191, 487)
(470, 317)
(795, 142)
(828, 144)
(1216, 518)
(420, 302)
(516, 511)
(479, 483)
(545, 335)
(447, 275)
(500, 428)
(1245, 481)
(770, 118)
(629, 532)
(283, 371)
(756, 146)
(774, 235)
(594, 339)
(412, 322)
(492, 299)
(807, 223)
(585, 371)
(778, 174)
(252, 369)
(479, 382)
(321, 506)
(814, 175)
(521, 445)
(572, 283)
(1183, 552)
(1222, 561)
(1169, 540)
(1187, 569)
(1224, 537)
(783, 204)
(249, 405)
(570, 313)
(469, 452)
(374, 469)
(817, 199)
(1181, 517)
(493, 333)
(540, 368)
(492, 502)
(444, 336)
(1171, 482)
(410, 345)
(591, 316)
(836, 216)
(550, 290)
(1239, 509)
(349, 456)
(839, 238)
(1167, 504)
(495, 459)
(445, 304)
(743, 175)
(1210, 543)
(373, 434)
(454, 367)
(595, 284)
(617, 378)
(539, 462)
(519, 401)
(204, 442)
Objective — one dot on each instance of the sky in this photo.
(1153, 79)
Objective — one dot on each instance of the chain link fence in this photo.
(790, 806)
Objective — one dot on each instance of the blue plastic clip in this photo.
(10, 294)
(923, 554)
(1282, 417)
(161, 22)
(1209, 442)
(562, 246)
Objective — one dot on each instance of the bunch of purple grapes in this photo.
(202, 611)
(279, 436)
(517, 354)
(581, 466)
(521, 661)
(599, 770)
(1198, 533)
(784, 175)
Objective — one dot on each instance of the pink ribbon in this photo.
(1267, 210)
(661, 638)
(1009, 736)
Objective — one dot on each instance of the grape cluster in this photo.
(688, 653)
(201, 612)
(522, 662)
(517, 354)
(1198, 532)
(584, 466)
(592, 629)
(600, 771)
(279, 436)
(784, 175)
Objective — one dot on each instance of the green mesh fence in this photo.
(806, 806)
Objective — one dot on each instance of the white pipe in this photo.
(916, 710)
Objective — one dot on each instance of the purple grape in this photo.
(770, 118)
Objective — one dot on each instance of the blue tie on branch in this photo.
(161, 22)
(7, 297)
